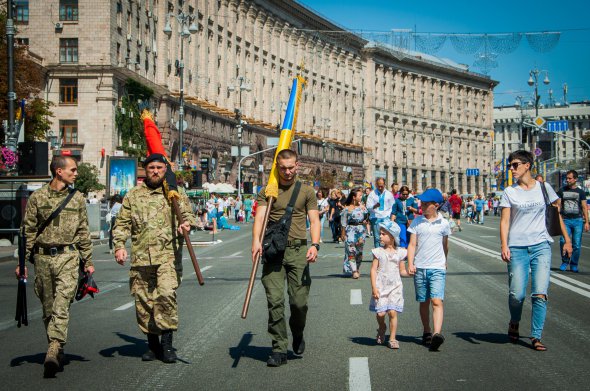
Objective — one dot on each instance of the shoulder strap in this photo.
(544, 191)
(55, 213)
(293, 198)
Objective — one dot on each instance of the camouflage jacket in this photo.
(69, 227)
(146, 216)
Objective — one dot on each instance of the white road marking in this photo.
(356, 297)
(489, 236)
(359, 377)
(203, 269)
(236, 254)
(483, 226)
(557, 280)
(585, 247)
(125, 306)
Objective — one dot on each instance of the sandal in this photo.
(380, 337)
(426, 339)
(513, 334)
(538, 345)
(393, 344)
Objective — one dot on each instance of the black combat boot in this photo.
(168, 353)
(154, 348)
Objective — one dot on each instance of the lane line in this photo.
(356, 297)
(236, 254)
(483, 226)
(571, 288)
(359, 377)
(203, 269)
(570, 280)
(125, 306)
(556, 280)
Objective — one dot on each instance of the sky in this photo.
(568, 62)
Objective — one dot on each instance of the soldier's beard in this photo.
(154, 183)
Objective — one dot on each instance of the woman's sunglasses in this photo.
(515, 165)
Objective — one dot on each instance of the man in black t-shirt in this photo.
(575, 218)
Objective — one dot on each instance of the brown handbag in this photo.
(551, 214)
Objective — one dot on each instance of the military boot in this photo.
(61, 357)
(154, 348)
(168, 353)
(51, 363)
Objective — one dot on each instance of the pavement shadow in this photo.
(39, 358)
(135, 347)
(372, 342)
(259, 353)
(478, 338)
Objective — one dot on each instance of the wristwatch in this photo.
(316, 245)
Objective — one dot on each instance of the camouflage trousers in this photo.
(154, 289)
(56, 279)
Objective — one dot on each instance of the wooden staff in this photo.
(187, 240)
(256, 261)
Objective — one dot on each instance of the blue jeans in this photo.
(429, 284)
(537, 260)
(375, 227)
(574, 228)
(479, 215)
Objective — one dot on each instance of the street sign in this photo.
(558, 126)
(472, 172)
(539, 121)
(184, 125)
(538, 152)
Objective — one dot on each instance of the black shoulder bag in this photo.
(551, 214)
(46, 223)
(277, 233)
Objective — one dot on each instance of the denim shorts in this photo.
(430, 284)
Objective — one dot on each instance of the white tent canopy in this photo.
(219, 187)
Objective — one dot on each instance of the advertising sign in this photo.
(121, 175)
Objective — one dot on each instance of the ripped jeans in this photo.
(535, 259)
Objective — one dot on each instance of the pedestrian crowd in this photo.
(410, 239)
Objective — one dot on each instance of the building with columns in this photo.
(366, 111)
(557, 150)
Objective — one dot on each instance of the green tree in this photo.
(37, 122)
(128, 120)
(87, 180)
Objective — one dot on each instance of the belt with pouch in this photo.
(296, 242)
(55, 250)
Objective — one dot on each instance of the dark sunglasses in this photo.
(515, 165)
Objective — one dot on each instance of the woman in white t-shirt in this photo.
(526, 245)
(323, 208)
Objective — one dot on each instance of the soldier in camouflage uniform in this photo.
(146, 216)
(56, 253)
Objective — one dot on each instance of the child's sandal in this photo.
(393, 344)
(380, 337)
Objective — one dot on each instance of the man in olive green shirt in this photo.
(146, 215)
(56, 253)
(295, 264)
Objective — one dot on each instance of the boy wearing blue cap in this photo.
(427, 261)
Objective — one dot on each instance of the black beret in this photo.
(154, 157)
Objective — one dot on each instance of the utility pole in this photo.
(11, 136)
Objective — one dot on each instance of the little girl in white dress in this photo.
(386, 272)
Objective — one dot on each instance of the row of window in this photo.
(68, 10)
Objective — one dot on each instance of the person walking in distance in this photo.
(147, 217)
(379, 203)
(354, 219)
(575, 218)
(57, 250)
(456, 206)
(293, 263)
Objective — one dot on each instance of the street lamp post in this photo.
(240, 85)
(11, 130)
(185, 31)
(534, 81)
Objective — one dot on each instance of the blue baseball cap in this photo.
(431, 195)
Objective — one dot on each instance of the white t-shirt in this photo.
(383, 211)
(527, 214)
(430, 253)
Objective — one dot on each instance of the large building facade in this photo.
(365, 111)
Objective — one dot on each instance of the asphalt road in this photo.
(220, 351)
